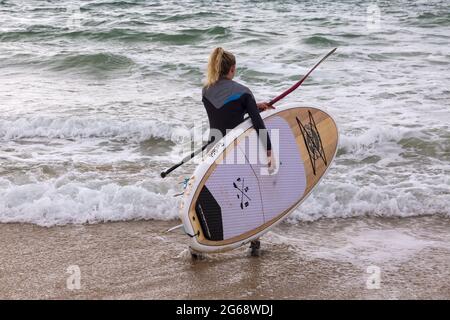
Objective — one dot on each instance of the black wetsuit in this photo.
(226, 103)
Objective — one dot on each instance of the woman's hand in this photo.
(263, 106)
(271, 163)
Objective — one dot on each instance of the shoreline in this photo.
(325, 259)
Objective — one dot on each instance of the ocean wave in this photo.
(318, 40)
(82, 128)
(63, 200)
(350, 199)
(431, 143)
(60, 202)
(362, 141)
(185, 36)
(350, 35)
(120, 34)
(189, 36)
(115, 5)
(34, 33)
(430, 19)
(189, 16)
(91, 62)
(28, 34)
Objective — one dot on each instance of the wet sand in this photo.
(326, 259)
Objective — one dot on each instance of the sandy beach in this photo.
(326, 259)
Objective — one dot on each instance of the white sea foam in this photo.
(346, 191)
(82, 128)
(370, 139)
(343, 200)
(60, 201)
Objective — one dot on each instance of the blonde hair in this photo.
(219, 64)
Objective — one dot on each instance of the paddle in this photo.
(273, 101)
(299, 83)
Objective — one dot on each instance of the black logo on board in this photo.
(239, 184)
(312, 140)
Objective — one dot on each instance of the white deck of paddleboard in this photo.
(267, 196)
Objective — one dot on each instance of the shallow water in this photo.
(405, 258)
(97, 99)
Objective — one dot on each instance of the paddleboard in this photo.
(232, 198)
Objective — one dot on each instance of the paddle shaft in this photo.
(185, 159)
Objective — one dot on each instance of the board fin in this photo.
(173, 228)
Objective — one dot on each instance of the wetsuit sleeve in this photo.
(253, 112)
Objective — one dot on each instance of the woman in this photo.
(226, 102)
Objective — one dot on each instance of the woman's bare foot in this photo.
(255, 246)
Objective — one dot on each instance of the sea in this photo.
(97, 97)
